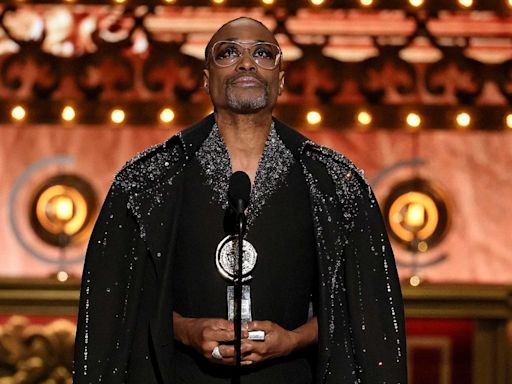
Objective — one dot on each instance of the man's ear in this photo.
(206, 80)
(281, 82)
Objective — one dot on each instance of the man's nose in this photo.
(246, 62)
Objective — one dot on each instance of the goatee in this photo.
(246, 103)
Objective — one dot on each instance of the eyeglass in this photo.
(226, 53)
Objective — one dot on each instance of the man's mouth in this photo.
(246, 81)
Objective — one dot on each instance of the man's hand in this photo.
(205, 334)
(278, 341)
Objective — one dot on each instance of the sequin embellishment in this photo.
(273, 168)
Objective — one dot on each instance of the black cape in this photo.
(125, 331)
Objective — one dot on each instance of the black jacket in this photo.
(125, 327)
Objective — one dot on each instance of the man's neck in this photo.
(245, 137)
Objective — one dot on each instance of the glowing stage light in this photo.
(463, 119)
(466, 3)
(117, 116)
(366, 3)
(364, 118)
(62, 276)
(413, 120)
(18, 113)
(415, 280)
(508, 119)
(313, 118)
(63, 208)
(416, 3)
(68, 113)
(316, 2)
(167, 115)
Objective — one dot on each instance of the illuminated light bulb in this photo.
(317, 2)
(509, 3)
(415, 215)
(416, 3)
(18, 113)
(117, 116)
(68, 113)
(466, 3)
(218, 1)
(64, 208)
(267, 2)
(170, 1)
(463, 119)
(415, 280)
(413, 120)
(62, 276)
(364, 118)
(508, 119)
(167, 115)
(119, 1)
(366, 3)
(313, 117)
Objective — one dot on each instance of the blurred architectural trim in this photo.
(39, 297)
(487, 307)
(76, 63)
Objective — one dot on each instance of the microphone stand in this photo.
(238, 296)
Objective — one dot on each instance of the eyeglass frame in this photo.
(278, 59)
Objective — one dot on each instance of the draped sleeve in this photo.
(360, 315)
(109, 293)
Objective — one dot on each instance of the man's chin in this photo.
(247, 105)
(243, 110)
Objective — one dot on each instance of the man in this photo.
(323, 286)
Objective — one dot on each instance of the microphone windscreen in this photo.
(239, 190)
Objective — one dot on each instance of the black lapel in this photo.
(292, 139)
(155, 208)
(157, 211)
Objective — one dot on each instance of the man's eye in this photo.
(228, 52)
(263, 53)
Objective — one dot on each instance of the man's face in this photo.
(243, 87)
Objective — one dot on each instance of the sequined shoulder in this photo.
(148, 167)
(328, 155)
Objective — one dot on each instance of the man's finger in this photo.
(252, 358)
(222, 324)
(256, 347)
(260, 325)
(227, 351)
(219, 335)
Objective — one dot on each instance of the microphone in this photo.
(239, 191)
(238, 197)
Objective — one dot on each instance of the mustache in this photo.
(231, 80)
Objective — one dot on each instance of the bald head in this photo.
(233, 27)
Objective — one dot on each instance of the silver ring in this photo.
(216, 353)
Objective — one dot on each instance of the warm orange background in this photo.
(474, 167)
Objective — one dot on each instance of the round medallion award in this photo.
(226, 258)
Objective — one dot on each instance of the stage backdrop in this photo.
(473, 167)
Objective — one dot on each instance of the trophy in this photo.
(226, 261)
(237, 270)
